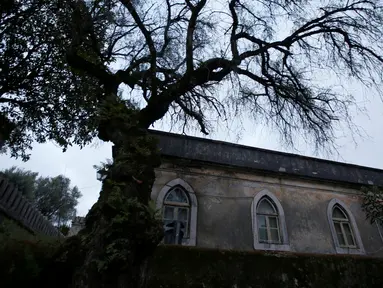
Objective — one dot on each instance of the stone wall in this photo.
(14, 206)
(225, 196)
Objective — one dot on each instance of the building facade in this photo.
(220, 195)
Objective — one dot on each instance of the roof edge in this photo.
(152, 131)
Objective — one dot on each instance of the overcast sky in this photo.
(48, 160)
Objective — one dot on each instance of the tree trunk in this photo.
(121, 231)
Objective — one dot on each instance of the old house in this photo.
(221, 195)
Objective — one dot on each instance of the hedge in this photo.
(174, 266)
(28, 262)
(23, 255)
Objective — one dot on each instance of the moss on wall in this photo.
(174, 266)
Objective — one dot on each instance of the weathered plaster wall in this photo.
(224, 208)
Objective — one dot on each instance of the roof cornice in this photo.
(224, 153)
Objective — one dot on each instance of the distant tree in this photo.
(24, 179)
(56, 199)
(52, 196)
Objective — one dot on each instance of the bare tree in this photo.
(175, 56)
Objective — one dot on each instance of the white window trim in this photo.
(354, 227)
(192, 239)
(284, 246)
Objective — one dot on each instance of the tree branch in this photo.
(157, 107)
(197, 116)
(166, 30)
(190, 33)
(233, 39)
(97, 71)
(153, 52)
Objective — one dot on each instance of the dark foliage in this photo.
(23, 256)
(41, 98)
(373, 204)
(195, 267)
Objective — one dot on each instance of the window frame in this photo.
(267, 219)
(342, 222)
(283, 235)
(357, 248)
(193, 208)
(177, 206)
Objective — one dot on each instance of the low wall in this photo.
(14, 206)
(175, 266)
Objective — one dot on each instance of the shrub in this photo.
(23, 255)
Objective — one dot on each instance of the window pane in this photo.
(273, 222)
(169, 223)
(184, 228)
(262, 234)
(337, 213)
(261, 221)
(170, 232)
(183, 214)
(170, 237)
(338, 230)
(168, 212)
(349, 235)
(181, 196)
(339, 233)
(176, 195)
(350, 240)
(346, 227)
(265, 207)
(274, 234)
(341, 239)
(170, 196)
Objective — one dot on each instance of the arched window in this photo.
(179, 206)
(268, 222)
(343, 228)
(269, 226)
(176, 211)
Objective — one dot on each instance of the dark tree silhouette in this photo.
(41, 98)
(174, 57)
